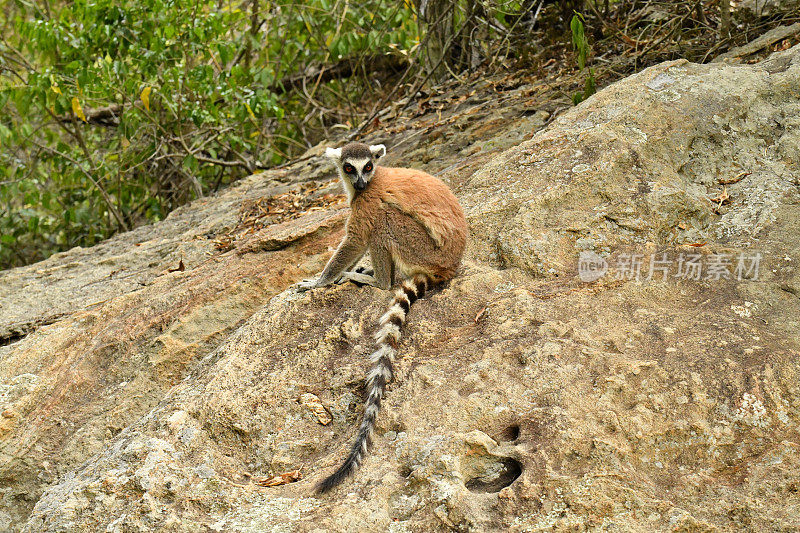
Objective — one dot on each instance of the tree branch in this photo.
(343, 69)
(102, 116)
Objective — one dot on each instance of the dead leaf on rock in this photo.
(721, 199)
(280, 479)
(736, 179)
(180, 268)
(270, 210)
(312, 402)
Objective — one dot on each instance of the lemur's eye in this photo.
(368, 167)
(349, 169)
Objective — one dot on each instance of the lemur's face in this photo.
(359, 170)
(356, 162)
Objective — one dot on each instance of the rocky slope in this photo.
(151, 382)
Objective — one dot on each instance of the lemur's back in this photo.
(401, 200)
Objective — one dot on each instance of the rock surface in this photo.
(137, 395)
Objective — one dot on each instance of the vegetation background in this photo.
(115, 112)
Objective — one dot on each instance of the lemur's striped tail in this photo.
(382, 359)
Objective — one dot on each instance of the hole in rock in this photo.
(510, 433)
(501, 474)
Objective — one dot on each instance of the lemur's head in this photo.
(356, 164)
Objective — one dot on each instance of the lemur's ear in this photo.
(333, 153)
(377, 150)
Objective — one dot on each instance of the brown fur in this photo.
(415, 218)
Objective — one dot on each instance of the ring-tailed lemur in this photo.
(412, 225)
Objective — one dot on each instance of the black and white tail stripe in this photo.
(382, 360)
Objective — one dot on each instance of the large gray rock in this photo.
(525, 400)
(766, 8)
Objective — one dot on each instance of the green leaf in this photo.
(225, 53)
(589, 87)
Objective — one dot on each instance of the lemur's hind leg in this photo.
(382, 266)
(358, 278)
